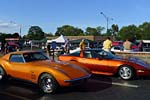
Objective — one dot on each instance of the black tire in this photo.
(126, 72)
(47, 83)
(2, 73)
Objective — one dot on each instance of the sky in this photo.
(50, 14)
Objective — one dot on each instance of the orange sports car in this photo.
(35, 67)
(106, 63)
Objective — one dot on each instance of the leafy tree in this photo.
(35, 33)
(94, 31)
(100, 29)
(115, 29)
(68, 30)
(145, 30)
(48, 34)
(131, 32)
(2, 37)
(91, 31)
(15, 35)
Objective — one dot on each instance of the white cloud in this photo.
(9, 27)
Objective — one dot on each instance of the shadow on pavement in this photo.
(92, 85)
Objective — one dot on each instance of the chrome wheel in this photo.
(126, 72)
(47, 83)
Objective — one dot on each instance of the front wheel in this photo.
(126, 72)
(47, 83)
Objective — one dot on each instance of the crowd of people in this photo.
(127, 45)
(107, 45)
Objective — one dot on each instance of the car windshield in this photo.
(105, 54)
(34, 56)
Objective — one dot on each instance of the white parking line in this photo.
(120, 84)
(13, 95)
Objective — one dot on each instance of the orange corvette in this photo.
(106, 63)
(35, 67)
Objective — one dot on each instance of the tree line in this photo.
(131, 32)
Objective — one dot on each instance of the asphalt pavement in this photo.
(97, 88)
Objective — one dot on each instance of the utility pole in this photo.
(107, 21)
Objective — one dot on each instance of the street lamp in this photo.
(20, 29)
(107, 19)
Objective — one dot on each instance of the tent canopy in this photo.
(60, 39)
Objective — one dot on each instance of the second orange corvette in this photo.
(106, 63)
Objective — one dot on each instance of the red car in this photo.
(106, 63)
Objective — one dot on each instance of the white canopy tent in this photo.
(60, 39)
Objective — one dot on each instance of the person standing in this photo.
(140, 46)
(82, 47)
(107, 44)
(67, 46)
(127, 45)
(6, 48)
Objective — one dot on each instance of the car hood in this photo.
(71, 70)
(133, 60)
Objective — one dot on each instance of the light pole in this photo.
(107, 20)
(20, 30)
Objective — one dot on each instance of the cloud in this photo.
(9, 27)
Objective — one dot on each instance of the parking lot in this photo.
(97, 88)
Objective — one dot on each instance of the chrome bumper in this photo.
(78, 79)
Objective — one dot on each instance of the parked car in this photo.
(106, 63)
(35, 67)
(117, 48)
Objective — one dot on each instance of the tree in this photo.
(15, 35)
(48, 34)
(115, 29)
(35, 33)
(145, 30)
(100, 29)
(68, 30)
(91, 31)
(131, 32)
(94, 31)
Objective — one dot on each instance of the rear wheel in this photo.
(126, 72)
(47, 83)
(2, 73)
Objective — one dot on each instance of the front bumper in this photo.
(77, 81)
